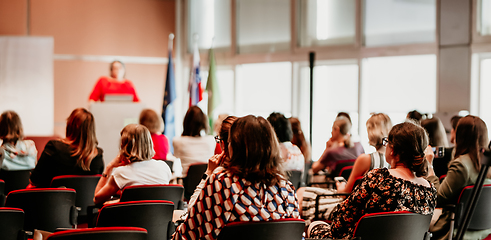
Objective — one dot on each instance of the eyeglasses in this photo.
(217, 139)
(385, 141)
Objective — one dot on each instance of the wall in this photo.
(88, 34)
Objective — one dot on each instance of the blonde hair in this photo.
(136, 143)
(378, 127)
(80, 135)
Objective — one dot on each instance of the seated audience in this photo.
(436, 132)
(150, 119)
(339, 147)
(415, 116)
(454, 121)
(290, 154)
(77, 154)
(17, 153)
(471, 136)
(401, 188)
(299, 139)
(194, 146)
(216, 130)
(251, 187)
(133, 166)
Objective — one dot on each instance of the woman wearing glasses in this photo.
(400, 188)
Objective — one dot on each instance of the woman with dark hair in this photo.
(150, 119)
(194, 146)
(115, 84)
(436, 132)
(339, 147)
(133, 166)
(16, 153)
(471, 137)
(401, 188)
(76, 154)
(299, 139)
(251, 187)
(292, 156)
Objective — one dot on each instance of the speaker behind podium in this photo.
(110, 118)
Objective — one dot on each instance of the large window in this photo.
(485, 97)
(327, 22)
(389, 22)
(484, 20)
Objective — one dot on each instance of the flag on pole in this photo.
(169, 97)
(212, 88)
(195, 90)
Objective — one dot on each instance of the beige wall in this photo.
(96, 28)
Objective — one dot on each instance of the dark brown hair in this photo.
(150, 119)
(80, 135)
(409, 141)
(10, 127)
(299, 138)
(255, 151)
(194, 121)
(282, 127)
(344, 125)
(225, 129)
(136, 143)
(436, 131)
(471, 136)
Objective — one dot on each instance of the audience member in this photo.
(19, 154)
(299, 139)
(150, 119)
(115, 84)
(291, 155)
(133, 166)
(415, 116)
(216, 130)
(194, 146)
(340, 147)
(344, 114)
(436, 132)
(471, 136)
(251, 187)
(402, 188)
(454, 121)
(77, 154)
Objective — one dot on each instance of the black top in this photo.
(57, 160)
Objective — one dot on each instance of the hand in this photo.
(116, 162)
(429, 155)
(214, 162)
(340, 186)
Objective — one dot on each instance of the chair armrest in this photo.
(74, 215)
(92, 212)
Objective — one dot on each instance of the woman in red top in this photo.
(116, 84)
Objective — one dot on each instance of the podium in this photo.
(110, 119)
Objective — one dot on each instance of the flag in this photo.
(195, 90)
(168, 106)
(212, 88)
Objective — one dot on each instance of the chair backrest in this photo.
(2, 194)
(15, 180)
(84, 185)
(170, 164)
(11, 223)
(45, 208)
(154, 215)
(193, 178)
(481, 218)
(285, 229)
(345, 172)
(340, 165)
(401, 225)
(167, 192)
(307, 174)
(295, 177)
(103, 233)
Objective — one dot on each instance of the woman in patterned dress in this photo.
(251, 186)
(401, 188)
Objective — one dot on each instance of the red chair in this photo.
(345, 172)
(103, 233)
(15, 180)
(167, 192)
(402, 225)
(284, 229)
(155, 216)
(12, 224)
(45, 208)
(193, 178)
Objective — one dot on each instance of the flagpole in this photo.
(171, 41)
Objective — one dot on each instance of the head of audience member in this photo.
(454, 121)
(150, 119)
(471, 136)
(225, 131)
(281, 126)
(436, 131)
(415, 116)
(406, 145)
(341, 131)
(80, 135)
(136, 143)
(378, 127)
(217, 124)
(344, 114)
(11, 129)
(254, 151)
(195, 121)
(299, 138)
(117, 70)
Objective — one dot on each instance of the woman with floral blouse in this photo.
(401, 188)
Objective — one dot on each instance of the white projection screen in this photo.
(26, 82)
